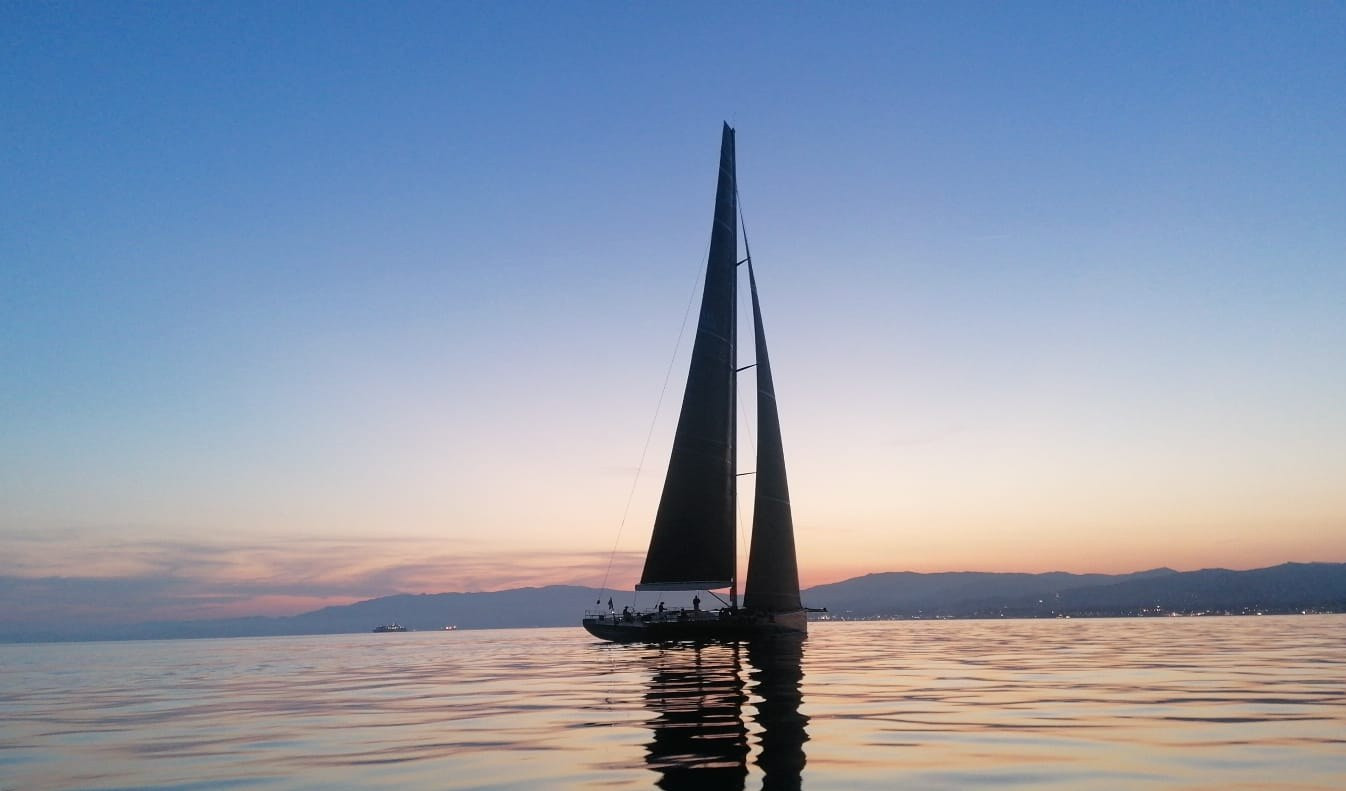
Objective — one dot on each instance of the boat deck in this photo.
(679, 625)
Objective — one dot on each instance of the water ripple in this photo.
(1146, 703)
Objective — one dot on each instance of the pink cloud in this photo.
(136, 579)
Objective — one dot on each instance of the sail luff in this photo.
(693, 540)
(773, 572)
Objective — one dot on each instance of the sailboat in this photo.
(692, 547)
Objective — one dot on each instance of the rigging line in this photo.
(747, 256)
(747, 425)
(742, 535)
(738, 501)
(747, 249)
(630, 496)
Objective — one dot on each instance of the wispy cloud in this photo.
(135, 579)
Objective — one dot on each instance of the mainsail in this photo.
(773, 576)
(693, 542)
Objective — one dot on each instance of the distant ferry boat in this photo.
(390, 627)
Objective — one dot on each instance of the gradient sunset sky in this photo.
(305, 303)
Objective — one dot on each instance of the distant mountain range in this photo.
(1290, 587)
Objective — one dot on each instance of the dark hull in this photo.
(671, 629)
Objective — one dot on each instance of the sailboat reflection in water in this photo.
(699, 739)
(700, 736)
(776, 675)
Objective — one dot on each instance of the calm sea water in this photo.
(1188, 703)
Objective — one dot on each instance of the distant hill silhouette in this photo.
(957, 593)
(554, 605)
(1290, 587)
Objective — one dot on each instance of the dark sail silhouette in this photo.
(692, 546)
(773, 575)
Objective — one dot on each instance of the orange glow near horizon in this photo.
(182, 580)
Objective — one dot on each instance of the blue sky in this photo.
(1049, 285)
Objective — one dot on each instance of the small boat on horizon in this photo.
(390, 627)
